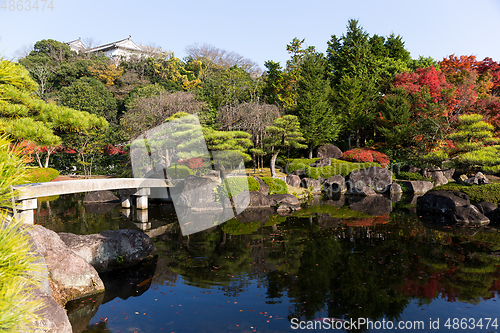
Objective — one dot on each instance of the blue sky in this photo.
(259, 29)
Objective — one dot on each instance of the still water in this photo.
(372, 268)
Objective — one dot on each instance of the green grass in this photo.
(477, 193)
(338, 167)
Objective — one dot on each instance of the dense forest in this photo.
(365, 91)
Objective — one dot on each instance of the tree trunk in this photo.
(310, 151)
(273, 163)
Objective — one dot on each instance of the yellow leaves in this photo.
(106, 73)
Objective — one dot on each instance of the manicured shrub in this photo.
(477, 193)
(41, 175)
(338, 167)
(179, 171)
(366, 155)
(276, 186)
(236, 186)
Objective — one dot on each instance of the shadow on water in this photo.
(121, 283)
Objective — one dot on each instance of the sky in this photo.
(256, 29)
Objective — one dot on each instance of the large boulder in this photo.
(257, 199)
(448, 173)
(309, 182)
(52, 316)
(469, 214)
(335, 185)
(70, 276)
(330, 151)
(442, 202)
(111, 248)
(284, 198)
(478, 179)
(486, 207)
(196, 192)
(325, 161)
(436, 174)
(293, 180)
(264, 188)
(375, 178)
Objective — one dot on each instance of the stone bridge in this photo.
(26, 195)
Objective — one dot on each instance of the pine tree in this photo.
(283, 134)
(25, 117)
(313, 110)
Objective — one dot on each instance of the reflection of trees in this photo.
(346, 271)
(67, 214)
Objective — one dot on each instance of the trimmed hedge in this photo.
(477, 193)
(338, 167)
(276, 186)
(41, 175)
(182, 171)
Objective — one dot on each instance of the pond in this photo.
(375, 267)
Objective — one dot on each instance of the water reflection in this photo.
(325, 261)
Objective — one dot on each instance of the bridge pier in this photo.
(25, 210)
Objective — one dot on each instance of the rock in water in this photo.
(111, 248)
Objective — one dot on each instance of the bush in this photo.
(366, 155)
(477, 193)
(41, 175)
(411, 176)
(179, 171)
(276, 186)
(237, 185)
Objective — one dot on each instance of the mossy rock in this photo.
(477, 193)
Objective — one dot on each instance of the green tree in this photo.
(25, 117)
(361, 70)
(473, 146)
(474, 143)
(396, 123)
(281, 84)
(88, 94)
(284, 133)
(317, 120)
